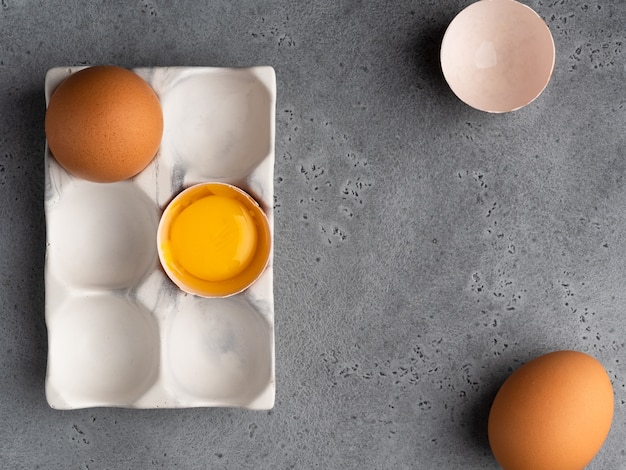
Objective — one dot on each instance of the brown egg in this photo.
(553, 413)
(104, 124)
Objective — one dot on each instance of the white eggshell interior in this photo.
(120, 332)
(497, 55)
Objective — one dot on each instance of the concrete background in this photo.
(423, 249)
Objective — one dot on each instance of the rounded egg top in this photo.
(553, 413)
(104, 124)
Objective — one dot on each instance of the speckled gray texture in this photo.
(423, 249)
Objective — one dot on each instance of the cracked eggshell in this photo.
(213, 231)
(497, 55)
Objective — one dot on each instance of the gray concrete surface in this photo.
(423, 249)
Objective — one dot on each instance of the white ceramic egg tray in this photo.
(120, 333)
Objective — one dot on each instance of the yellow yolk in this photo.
(214, 238)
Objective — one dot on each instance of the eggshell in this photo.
(553, 413)
(497, 55)
(217, 234)
(104, 124)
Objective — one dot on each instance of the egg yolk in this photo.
(214, 238)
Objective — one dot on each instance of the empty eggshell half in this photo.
(214, 240)
(103, 350)
(102, 236)
(219, 350)
(497, 55)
